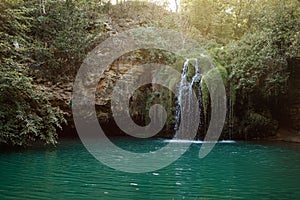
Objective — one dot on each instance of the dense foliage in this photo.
(254, 40)
(41, 41)
(250, 42)
(25, 114)
(62, 35)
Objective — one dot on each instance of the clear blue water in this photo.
(230, 171)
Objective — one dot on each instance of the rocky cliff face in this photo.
(60, 94)
(120, 18)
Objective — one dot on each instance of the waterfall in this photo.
(185, 92)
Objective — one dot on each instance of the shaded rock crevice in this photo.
(294, 94)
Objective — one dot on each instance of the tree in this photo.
(25, 113)
(254, 40)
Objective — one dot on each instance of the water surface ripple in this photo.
(230, 171)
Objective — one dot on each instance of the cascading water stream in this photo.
(185, 92)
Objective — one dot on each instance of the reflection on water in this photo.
(231, 170)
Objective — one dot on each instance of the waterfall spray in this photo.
(185, 92)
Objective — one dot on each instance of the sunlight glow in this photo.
(170, 4)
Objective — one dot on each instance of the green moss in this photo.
(211, 76)
(205, 97)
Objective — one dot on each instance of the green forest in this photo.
(254, 43)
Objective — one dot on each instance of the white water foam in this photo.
(198, 141)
